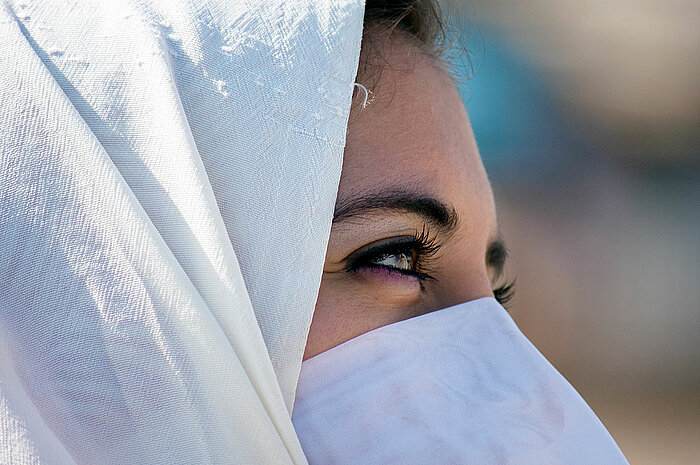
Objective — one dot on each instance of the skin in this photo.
(412, 140)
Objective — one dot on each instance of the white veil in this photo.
(168, 171)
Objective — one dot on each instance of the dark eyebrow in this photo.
(432, 210)
(496, 256)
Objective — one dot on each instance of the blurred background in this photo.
(587, 115)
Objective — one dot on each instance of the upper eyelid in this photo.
(376, 250)
(424, 239)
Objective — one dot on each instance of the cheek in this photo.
(357, 303)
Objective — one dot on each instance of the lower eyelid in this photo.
(387, 288)
(387, 274)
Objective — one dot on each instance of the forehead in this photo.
(414, 134)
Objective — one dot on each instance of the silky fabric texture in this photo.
(458, 386)
(168, 171)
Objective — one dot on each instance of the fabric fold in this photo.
(459, 385)
(127, 322)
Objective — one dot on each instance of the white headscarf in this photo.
(168, 172)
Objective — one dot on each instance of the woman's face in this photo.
(415, 224)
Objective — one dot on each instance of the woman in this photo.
(168, 183)
(415, 231)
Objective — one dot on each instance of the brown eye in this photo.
(400, 261)
(410, 256)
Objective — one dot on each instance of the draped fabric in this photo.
(168, 171)
(458, 386)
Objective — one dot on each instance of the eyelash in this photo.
(505, 293)
(422, 247)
